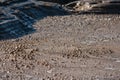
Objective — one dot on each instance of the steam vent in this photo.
(18, 16)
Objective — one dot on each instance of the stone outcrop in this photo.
(18, 16)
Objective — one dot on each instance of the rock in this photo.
(29, 50)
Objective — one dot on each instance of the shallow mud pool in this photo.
(35, 45)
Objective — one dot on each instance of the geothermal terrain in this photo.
(42, 41)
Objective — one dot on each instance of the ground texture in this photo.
(63, 47)
(73, 47)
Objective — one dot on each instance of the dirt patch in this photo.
(88, 52)
(71, 47)
(100, 52)
(22, 58)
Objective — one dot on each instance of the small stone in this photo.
(8, 71)
(28, 50)
(117, 61)
(50, 71)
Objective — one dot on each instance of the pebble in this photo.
(50, 71)
(28, 50)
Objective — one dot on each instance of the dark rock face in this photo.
(59, 1)
(18, 16)
(7, 2)
(10, 2)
